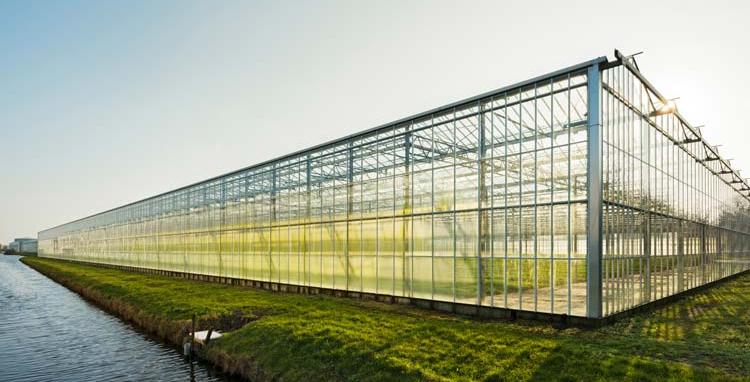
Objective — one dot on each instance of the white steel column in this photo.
(594, 197)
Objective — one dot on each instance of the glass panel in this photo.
(481, 203)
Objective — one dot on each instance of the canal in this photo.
(48, 333)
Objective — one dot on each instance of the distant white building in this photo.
(23, 245)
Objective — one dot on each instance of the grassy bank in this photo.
(293, 337)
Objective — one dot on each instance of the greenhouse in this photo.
(583, 192)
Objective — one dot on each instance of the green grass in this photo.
(702, 337)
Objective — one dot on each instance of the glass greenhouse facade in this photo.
(581, 192)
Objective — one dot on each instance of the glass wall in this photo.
(480, 202)
(674, 214)
(483, 203)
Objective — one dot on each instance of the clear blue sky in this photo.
(107, 102)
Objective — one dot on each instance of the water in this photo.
(48, 333)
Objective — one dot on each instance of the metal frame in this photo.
(594, 204)
(692, 135)
(675, 215)
(316, 198)
(437, 110)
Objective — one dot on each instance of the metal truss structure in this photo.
(582, 192)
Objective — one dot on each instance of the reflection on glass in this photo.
(483, 203)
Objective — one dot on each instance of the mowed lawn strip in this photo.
(705, 336)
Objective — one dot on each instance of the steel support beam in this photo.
(308, 217)
(647, 255)
(483, 244)
(349, 206)
(680, 256)
(594, 196)
(407, 267)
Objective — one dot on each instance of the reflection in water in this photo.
(51, 334)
